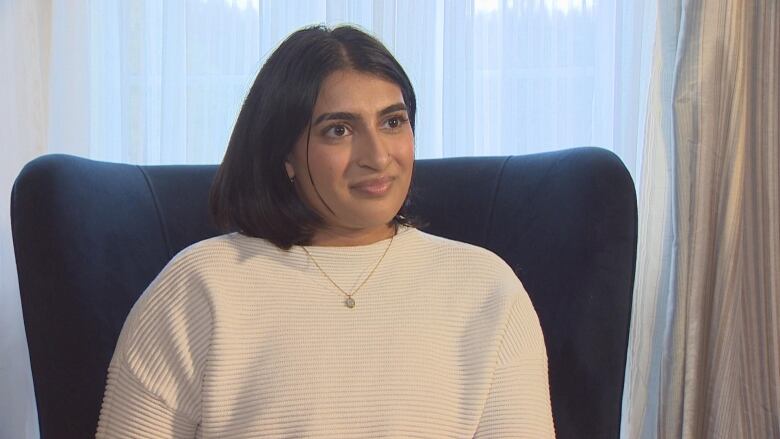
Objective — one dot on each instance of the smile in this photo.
(374, 187)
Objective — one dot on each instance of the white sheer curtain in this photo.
(157, 82)
(153, 82)
(24, 36)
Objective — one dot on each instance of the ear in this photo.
(289, 168)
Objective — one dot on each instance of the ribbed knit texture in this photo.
(238, 339)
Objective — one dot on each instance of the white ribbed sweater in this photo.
(237, 338)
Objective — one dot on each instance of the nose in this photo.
(373, 150)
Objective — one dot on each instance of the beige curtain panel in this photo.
(705, 348)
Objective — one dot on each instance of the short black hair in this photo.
(251, 192)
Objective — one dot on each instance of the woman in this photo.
(327, 315)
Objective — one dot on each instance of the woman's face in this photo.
(360, 155)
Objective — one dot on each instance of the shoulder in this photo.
(182, 284)
(166, 336)
(501, 298)
(218, 248)
(443, 244)
(465, 257)
(197, 276)
(474, 275)
(216, 256)
(175, 312)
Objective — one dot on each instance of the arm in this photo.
(518, 403)
(131, 410)
(154, 380)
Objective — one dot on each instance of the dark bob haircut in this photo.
(251, 192)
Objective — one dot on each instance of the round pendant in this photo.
(350, 302)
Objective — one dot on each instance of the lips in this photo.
(374, 186)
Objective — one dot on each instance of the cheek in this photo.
(406, 153)
(327, 167)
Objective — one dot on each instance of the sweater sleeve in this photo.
(518, 403)
(131, 410)
(154, 379)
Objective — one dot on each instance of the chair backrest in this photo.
(90, 236)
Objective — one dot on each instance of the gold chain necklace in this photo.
(350, 302)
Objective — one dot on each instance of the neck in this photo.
(343, 237)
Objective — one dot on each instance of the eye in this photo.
(396, 121)
(336, 131)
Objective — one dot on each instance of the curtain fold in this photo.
(657, 232)
(25, 32)
(705, 343)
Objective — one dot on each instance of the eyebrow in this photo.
(342, 115)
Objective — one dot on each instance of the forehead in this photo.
(350, 90)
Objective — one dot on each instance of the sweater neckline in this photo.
(401, 234)
(349, 265)
(343, 256)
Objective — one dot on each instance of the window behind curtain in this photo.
(166, 79)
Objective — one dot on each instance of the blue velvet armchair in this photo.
(89, 236)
